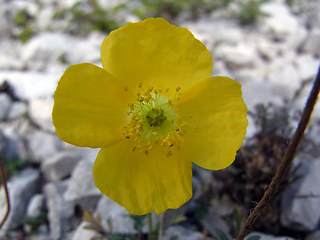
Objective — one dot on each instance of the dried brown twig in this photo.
(4, 183)
(286, 161)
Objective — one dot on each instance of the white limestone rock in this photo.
(60, 211)
(238, 56)
(83, 234)
(281, 24)
(179, 232)
(31, 85)
(59, 166)
(312, 43)
(43, 145)
(119, 217)
(17, 110)
(81, 189)
(40, 111)
(301, 200)
(267, 236)
(307, 66)
(21, 189)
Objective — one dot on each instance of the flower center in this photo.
(152, 120)
(155, 117)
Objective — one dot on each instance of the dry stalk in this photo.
(4, 183)
(286, 161)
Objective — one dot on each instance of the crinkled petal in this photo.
(215, 117)
(90, 107)
(142, 183)
(155, 53)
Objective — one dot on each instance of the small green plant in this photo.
(249, 11)
(21, 18)
(36, 221)
(95, 224)
(87, 16)
(26, 33)
(13, 166)
(170, 9)
(138, 223)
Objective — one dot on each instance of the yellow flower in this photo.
(153, 109)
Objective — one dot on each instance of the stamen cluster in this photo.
(153, 120)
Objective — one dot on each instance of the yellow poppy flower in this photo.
(153, 109)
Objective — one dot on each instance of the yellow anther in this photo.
(154, 133)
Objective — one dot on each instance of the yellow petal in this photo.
(89, 107)
(143, 182)
(155, 53)
(215, 117)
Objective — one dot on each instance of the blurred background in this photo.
(272, 47)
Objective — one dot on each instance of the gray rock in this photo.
(247, 75)
(9, 55)
(18, 109)
(283, 74)
(90, 44)
(213, 220)
(5, 103)
(313, 236)
(5, 21)
(46, 48)
(119, 217)
(21, 189)
(267, 49)
(35, 210)
(266, 93)
(60, 211)
(83, 234)
(307, 66)
(13, 134)
(238, 56)
(42, 145)
(35, 206)
(59, 165)
(281, 23)
(312, 43)
(267, 237)
(179, 232)
(40, 113)
(310, 15)
(301, 200)
(213, 32)
(81, 189)
(31, 85)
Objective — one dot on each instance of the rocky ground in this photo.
(275, 58)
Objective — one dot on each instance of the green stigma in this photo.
(155, 117)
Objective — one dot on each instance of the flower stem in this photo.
(150, 234)
(4, 183)
(286, 161)
(160, 232)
